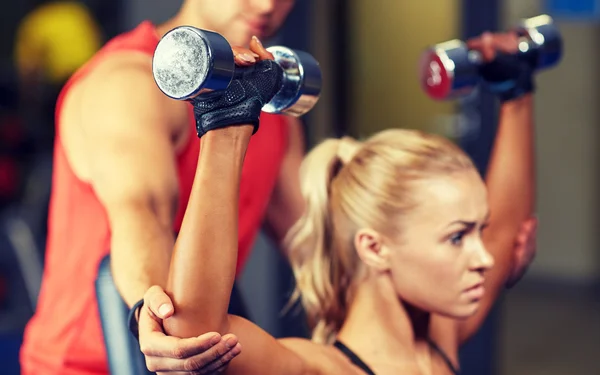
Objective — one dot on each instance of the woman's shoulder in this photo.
(320, 359)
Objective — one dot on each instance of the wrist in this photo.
(134, 317)
(518, 104)
(228, 138)
(521, 87)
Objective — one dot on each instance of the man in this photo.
(124, 161)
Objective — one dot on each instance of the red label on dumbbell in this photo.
(434, 77)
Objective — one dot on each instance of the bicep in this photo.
(261, 353)
(131, 156)
(129, 173)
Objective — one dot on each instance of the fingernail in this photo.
(247, 57)
(215, 340)
(164, 309)
(257, 40)
(231, 342)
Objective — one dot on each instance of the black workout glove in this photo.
(510, 76)
(241, 103)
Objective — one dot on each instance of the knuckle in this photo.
(219, 352)
(192, 364)
(151, 364)
(225, 359)
(179, 353)
(144, 348)
(150, 291)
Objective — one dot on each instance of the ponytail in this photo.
(312, 246)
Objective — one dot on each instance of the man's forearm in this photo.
(140, 257)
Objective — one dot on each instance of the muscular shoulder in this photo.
(122, 84)
(119, 91)
(117, 100)
(320, 359)
(124, 77)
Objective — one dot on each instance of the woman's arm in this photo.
(511, 187)
(204, 258)
(203, 263)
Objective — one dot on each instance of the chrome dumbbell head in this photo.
(542, 35)
(188, 59)
(301, 85)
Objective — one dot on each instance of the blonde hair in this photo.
(350, 185)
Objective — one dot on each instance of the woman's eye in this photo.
(483, 227)
(456, 238)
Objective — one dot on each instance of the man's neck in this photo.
(178, 20)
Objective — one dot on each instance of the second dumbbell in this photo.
(449, 70)
(188, 60)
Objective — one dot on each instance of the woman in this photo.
(390, 257)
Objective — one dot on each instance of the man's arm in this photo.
(131, 159)
(511, 186)
(286, 204)
(128, 148)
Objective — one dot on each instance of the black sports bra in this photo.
(363, 366)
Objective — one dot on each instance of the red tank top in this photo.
(64, 336)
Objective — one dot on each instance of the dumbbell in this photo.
(450, 70)
(188, 60)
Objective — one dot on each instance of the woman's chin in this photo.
(463, 311)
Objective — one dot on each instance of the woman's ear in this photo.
(371, 249)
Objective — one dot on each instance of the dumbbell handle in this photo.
(529, 43)
(295, 100)
(526, 47)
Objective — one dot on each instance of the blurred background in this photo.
(369, 51)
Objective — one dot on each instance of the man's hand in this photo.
(206, 354)
(525, 250)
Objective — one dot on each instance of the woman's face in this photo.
(439, 263)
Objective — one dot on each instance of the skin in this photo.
(121, 134)
(421, 284)
(438, 280)
(441, 245)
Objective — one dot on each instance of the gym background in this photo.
(549, 324)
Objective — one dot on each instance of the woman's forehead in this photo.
(456, 196)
